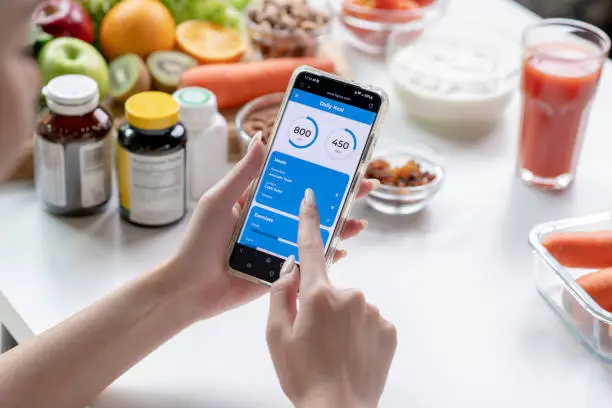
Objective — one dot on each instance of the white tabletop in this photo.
(457, 280)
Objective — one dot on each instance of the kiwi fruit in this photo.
(166, 68)
(128, 76)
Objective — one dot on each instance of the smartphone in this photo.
(322, 139)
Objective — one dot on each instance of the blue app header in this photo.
(331, 106)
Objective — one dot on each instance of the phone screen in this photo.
(321, 138)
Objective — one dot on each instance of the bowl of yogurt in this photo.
(454, 74)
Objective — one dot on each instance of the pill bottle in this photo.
(207, 151)
(72, 152)
(151, 161)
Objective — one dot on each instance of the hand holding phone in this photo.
(322, 140)
(200, 266)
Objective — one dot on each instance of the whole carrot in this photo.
(599, 286)
(238, 83)
(581, 249)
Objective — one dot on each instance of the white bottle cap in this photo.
(72, 95)
(198, 106)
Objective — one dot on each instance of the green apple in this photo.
(68, 55)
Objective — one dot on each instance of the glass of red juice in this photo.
(562, 64)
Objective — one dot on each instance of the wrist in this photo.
(327, 399)
(182, 300)
(322, 403)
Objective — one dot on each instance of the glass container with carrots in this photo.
(574, 276)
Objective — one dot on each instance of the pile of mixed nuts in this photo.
(286, 28)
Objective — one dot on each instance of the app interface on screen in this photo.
(318, 145)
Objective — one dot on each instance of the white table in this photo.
(456, 279)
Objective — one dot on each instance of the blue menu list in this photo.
(273, 232)
(286, 178)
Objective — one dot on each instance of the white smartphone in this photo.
(322, 139)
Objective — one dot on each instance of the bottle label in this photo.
(152, 188)
(92, 158)
(50, 172)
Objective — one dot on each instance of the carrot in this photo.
(581, 249)
(238, 83)
(599, 286)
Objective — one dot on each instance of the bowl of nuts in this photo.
(410, 177)
(288, 28)
(257, 115)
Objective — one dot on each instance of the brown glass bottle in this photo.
(72, 155)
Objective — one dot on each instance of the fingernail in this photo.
(375, 183)
(364, 224)
(309, 197)
(255, 139)
(287, 266)
(342, 254)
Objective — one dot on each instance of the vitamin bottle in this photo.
(151, 161)
(72, 159)
(207, 151)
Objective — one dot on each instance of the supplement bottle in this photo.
(207, 151)
(72, 154)
(151, 161)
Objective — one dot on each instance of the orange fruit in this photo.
(210, 43)
(137, 27)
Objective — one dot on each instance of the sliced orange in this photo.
(210, 43)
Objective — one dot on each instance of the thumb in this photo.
(233, 185)
(283, 301)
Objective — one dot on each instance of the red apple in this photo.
(64, 18)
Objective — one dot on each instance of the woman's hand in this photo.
(336, 350)
(201, 264)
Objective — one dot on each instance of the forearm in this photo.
(70, 364)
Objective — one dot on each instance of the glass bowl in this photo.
(407, 200)
(285, 42)
(589, 322)
(454, 73)
(368, 28)
(246, 132)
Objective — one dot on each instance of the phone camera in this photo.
(301, 84)
(371, 105)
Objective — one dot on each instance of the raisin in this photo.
(408, 175)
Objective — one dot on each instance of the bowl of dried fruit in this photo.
(410, 177)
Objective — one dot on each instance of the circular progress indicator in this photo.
(303, 132)
(341, 144)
